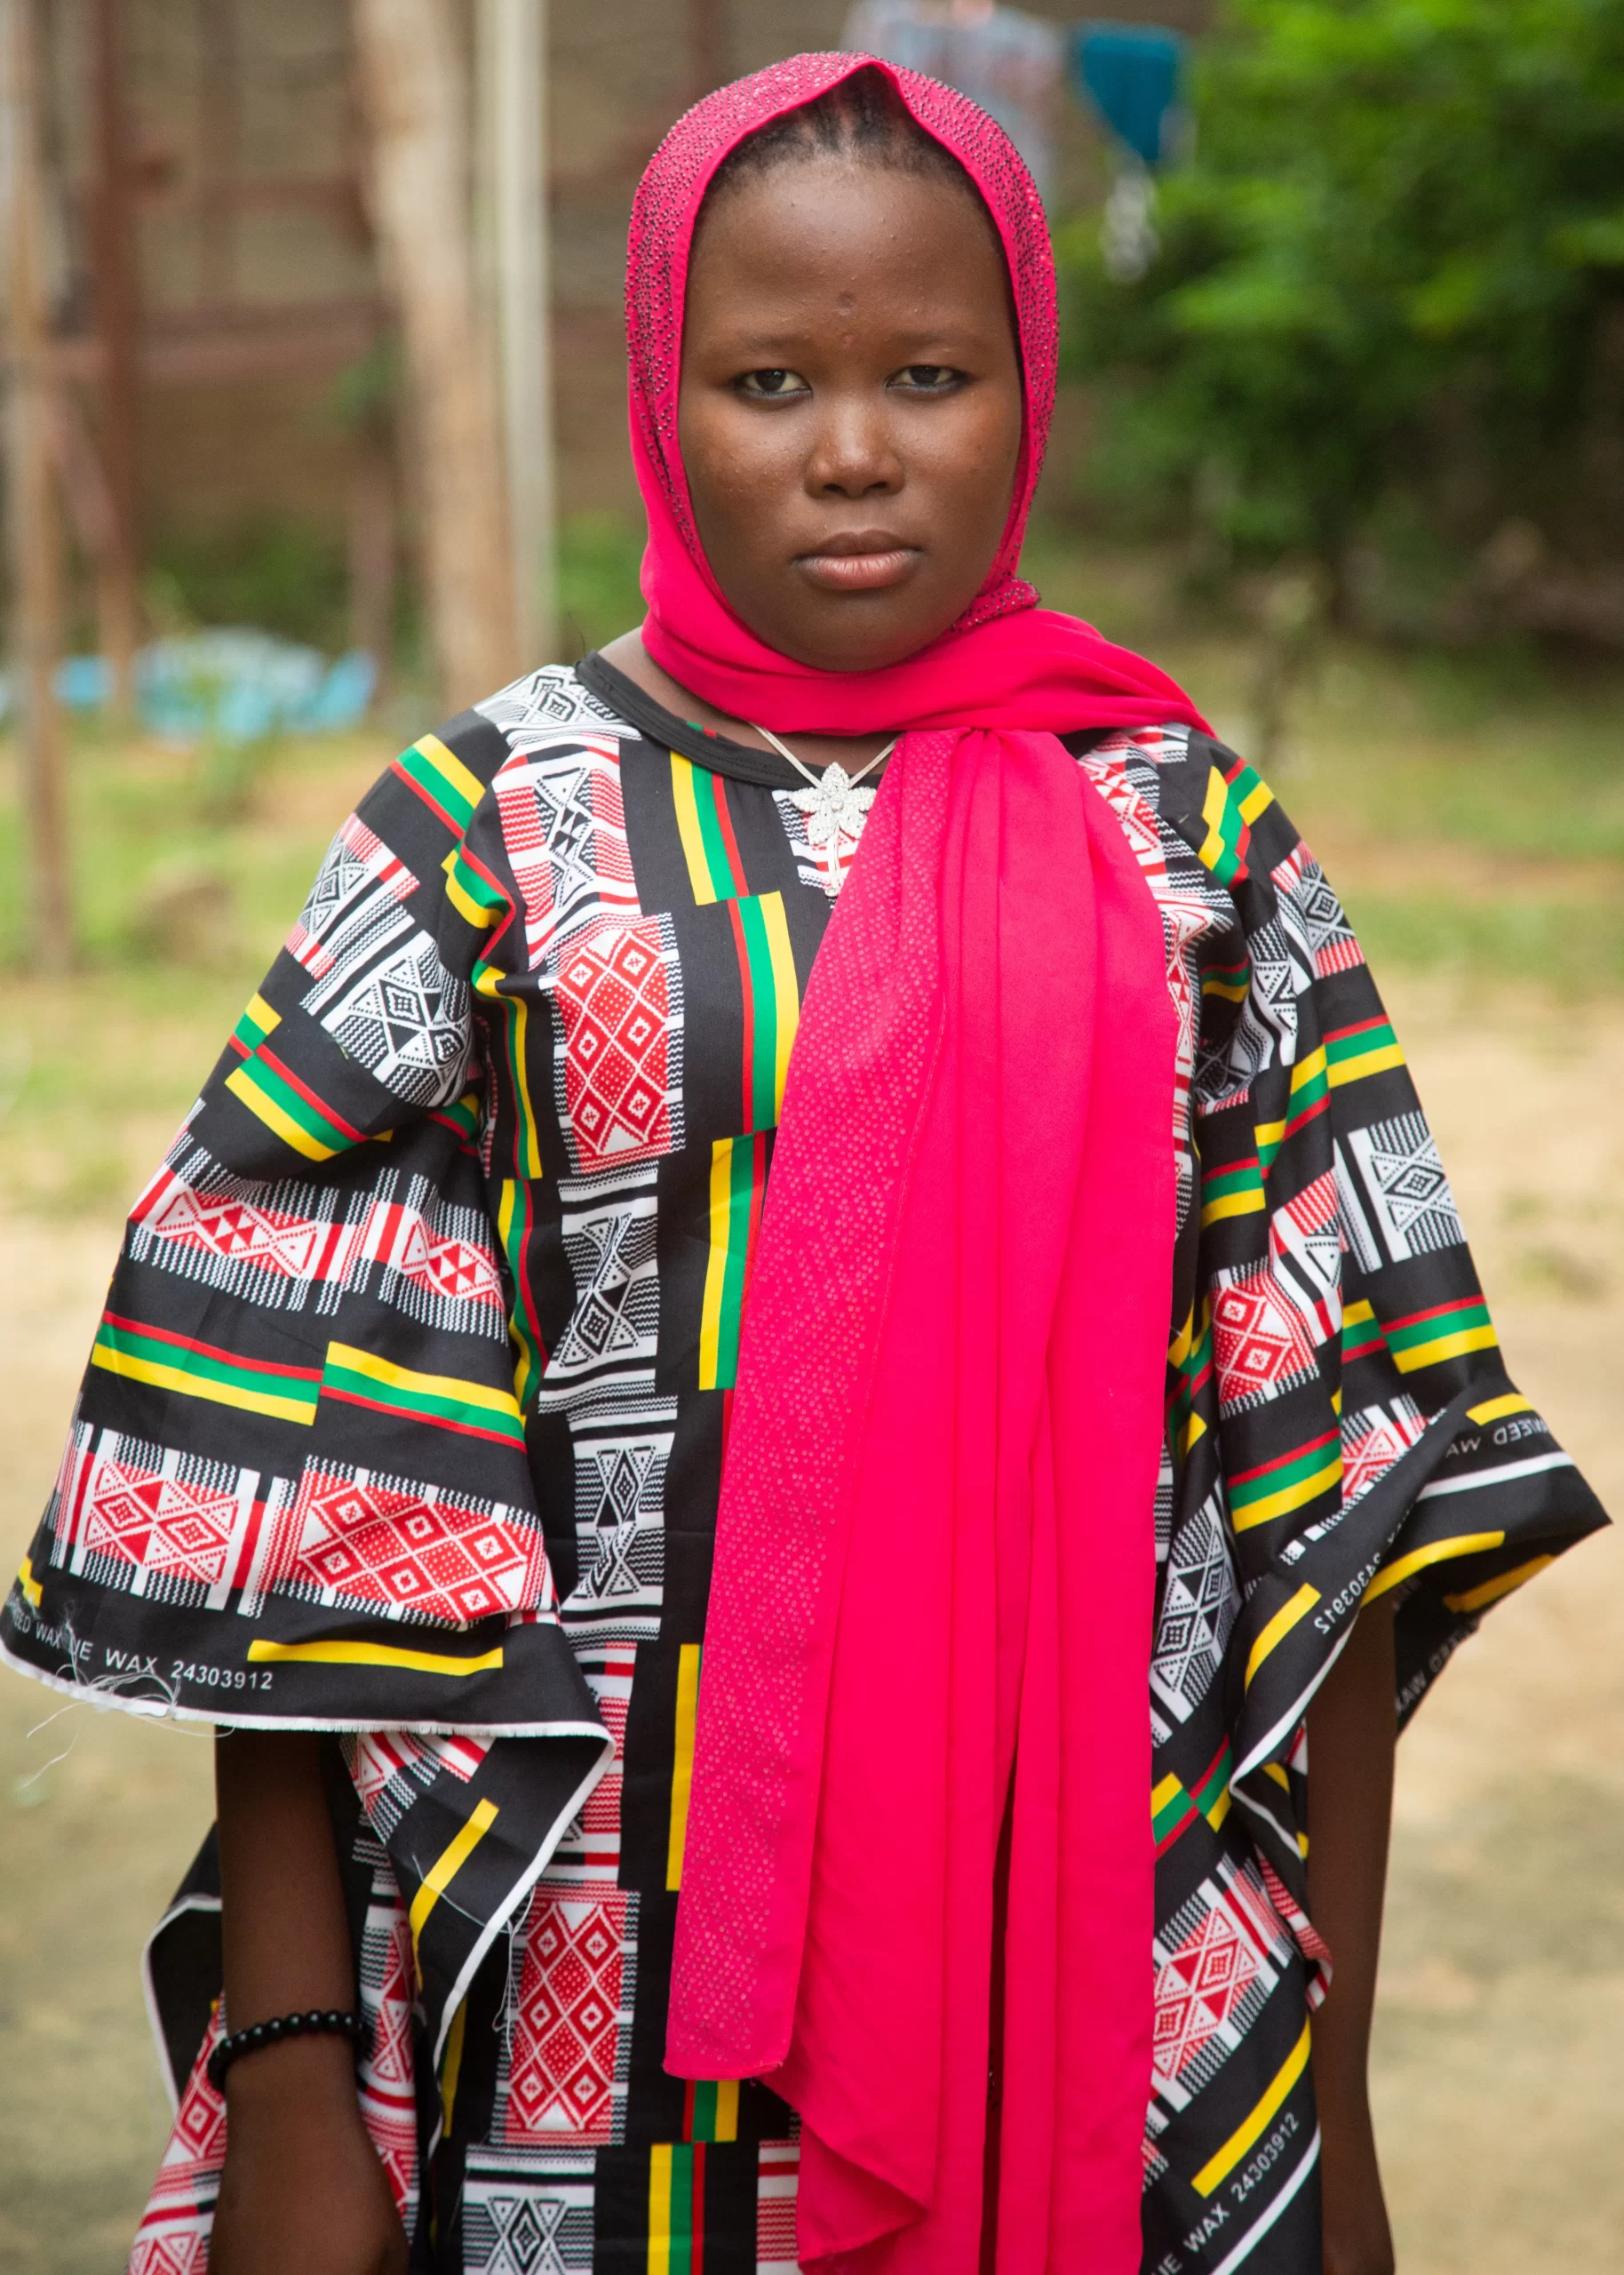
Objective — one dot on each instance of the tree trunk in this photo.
(35, 531)
(414, 83)
(514, 60)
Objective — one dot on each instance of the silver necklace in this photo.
(834, 806)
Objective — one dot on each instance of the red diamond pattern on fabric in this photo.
(173, 2236)
(1261, 1341)
(388, 2091)
(158, 1522)
(1198, 1988)
(238, 1232)
(412, 1547)
(614, 1004)
(448, 1267)
(567, 2031)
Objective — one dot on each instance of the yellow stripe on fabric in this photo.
(486, 983)
(25, 1581)
(407, 1378)
(190, 1385)
(689, 830)
(786, 993)
(1167, 1791)
(1368, 1062)
(465, 906)
(242, 1085)
(1183, 1342)
(450, 768)
(726, 2109)
(1212, 807)
(683, 1761)
(449, 1862)
(1257, 800)
(1235, 2148)
(260, 1012)
(1280, 1626)
(377, 1654)
(716, 1262)
(1251, 1203)
(1308, 1070)
(1277, 1770)
(1416, 1355)
(659, 2208)
(1466, 1544)
(1495, 1409)
(1289, 1497)
(1501, 1585)
(451, 2069)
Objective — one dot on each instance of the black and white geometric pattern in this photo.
(1313, 917)
(1406, 1188)
(527, 2212)
(406, 1021)
(620, 1456)
(547, 703)
(609, 1225)
(1199, 1604)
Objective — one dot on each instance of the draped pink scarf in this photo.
(935, 1561)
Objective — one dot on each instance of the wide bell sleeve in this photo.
(1341, 1425)
(296, 1492)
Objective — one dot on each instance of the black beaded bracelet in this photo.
(319, 2022)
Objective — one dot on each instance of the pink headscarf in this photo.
(935, 1563)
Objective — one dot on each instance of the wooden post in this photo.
(415, 89)
(219, 109)
(35, 531)
(512, 36)
(113, 270)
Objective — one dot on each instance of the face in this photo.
(850, 412)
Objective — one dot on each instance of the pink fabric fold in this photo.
(933, 1584)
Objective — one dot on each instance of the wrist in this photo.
(295, 2080)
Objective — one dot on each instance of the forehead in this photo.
(853, 228)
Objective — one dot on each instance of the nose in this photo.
(854, 451)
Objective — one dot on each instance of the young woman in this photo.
(856, 1054)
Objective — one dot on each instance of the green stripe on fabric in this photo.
(735, 1169)
(1449, 1332)
(301, 1120)
(442, 1401)
(442, 777)
(1303, 1466)
(1211, 1794)
(191, 1370)
(514, 1219)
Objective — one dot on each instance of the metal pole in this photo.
(515, 36)
(35, 531)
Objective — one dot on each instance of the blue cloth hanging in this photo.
(1132, 74)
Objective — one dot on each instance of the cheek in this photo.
(737, 464)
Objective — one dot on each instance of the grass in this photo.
(1471, 811)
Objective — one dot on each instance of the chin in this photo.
(870, 649)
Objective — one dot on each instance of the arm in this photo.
(1352, 1730)
(302, 2185)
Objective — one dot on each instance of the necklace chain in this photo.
(803, 769)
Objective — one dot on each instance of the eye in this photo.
(775, 383)
(928, 378)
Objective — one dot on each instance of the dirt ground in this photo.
(1500, 2089)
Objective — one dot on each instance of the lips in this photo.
(860, 561)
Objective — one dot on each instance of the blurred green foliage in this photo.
(282, 576)
(1388, 301)
(599, 556)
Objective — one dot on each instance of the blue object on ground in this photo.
(1132, 74)
(230, 683)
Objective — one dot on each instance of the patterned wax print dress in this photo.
(405, 1422)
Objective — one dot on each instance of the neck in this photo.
(628, 655)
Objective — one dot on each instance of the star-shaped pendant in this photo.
(835, 807)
